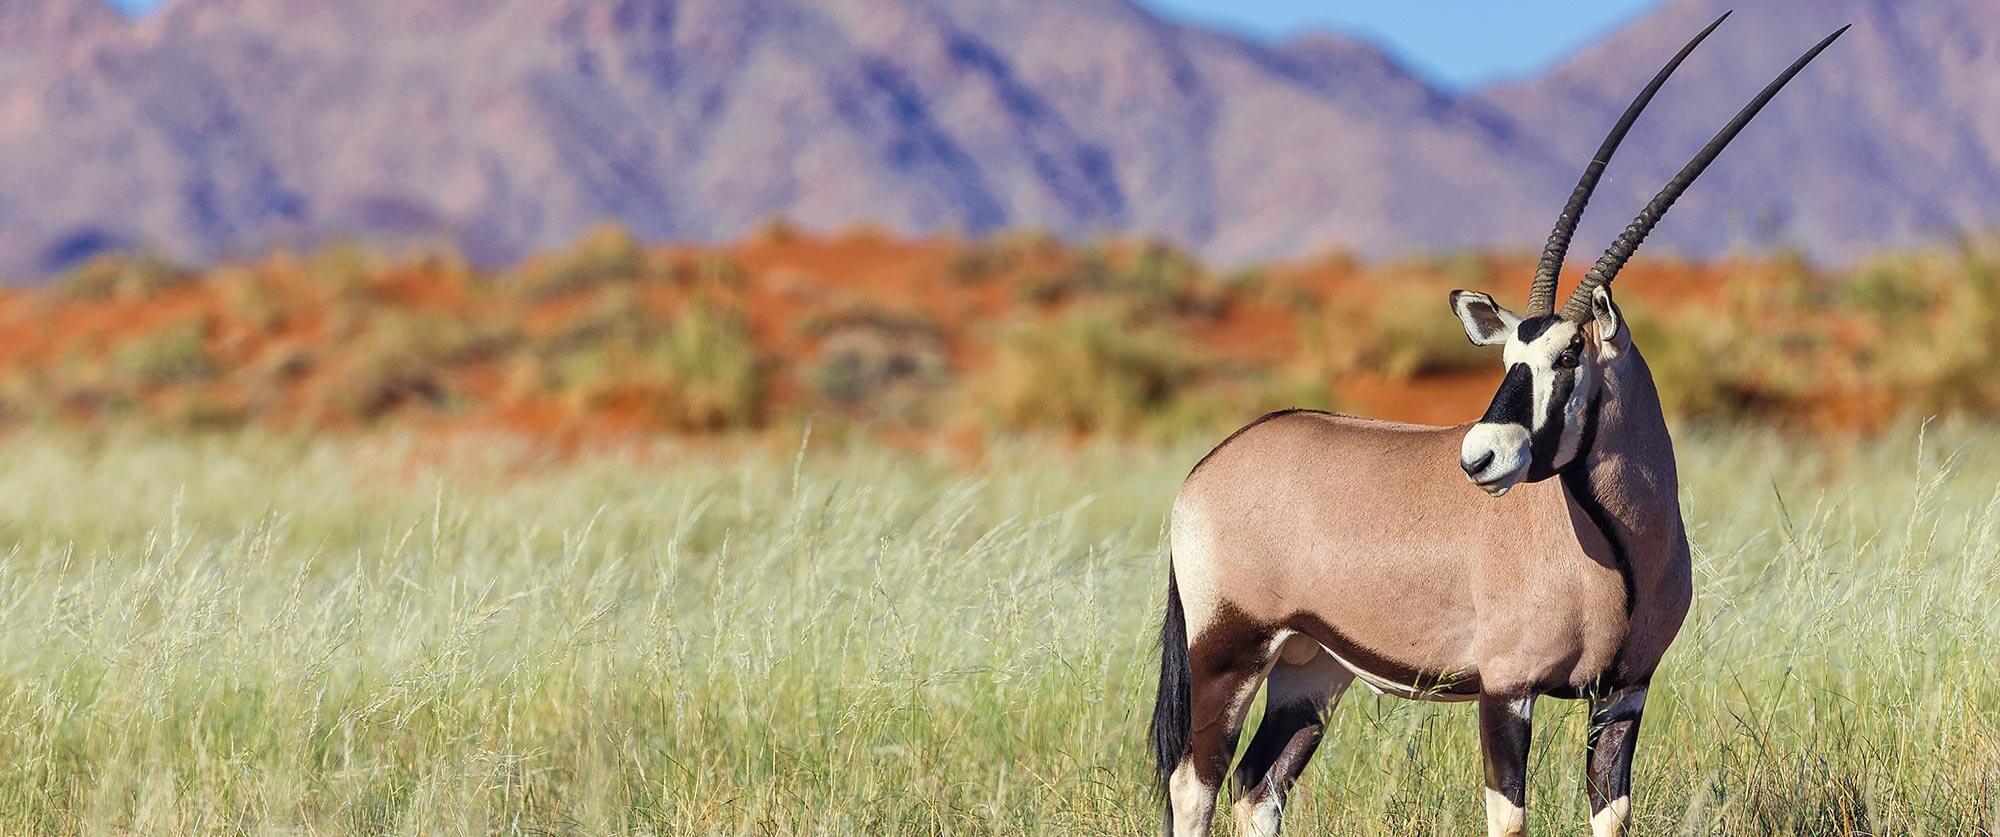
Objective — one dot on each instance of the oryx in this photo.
(1310, 549)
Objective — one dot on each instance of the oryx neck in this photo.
(1628, 458)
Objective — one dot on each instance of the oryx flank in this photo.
(1312, 549)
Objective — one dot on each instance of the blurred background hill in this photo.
(207, 129)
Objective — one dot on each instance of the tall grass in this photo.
(242, 634)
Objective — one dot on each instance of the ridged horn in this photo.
(1614, 259)
(1542, 293)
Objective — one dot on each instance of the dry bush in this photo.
(605, 255)
(1153, 279)
(121, 276)
(342, 271)
(709, 363)
(402, 358)
(1085, 371)
(981, 261)
(1942, 334)
(1088, 272)
(1906, 333)
(1399, 332)
(884, 366)
(617, 316)
(700, 372)
(175, 354)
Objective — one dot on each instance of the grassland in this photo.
(248, 633)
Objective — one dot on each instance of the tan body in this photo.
(1311, 549)
(1352, 532)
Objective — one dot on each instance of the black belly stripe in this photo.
(1448, 684)
(1576, 478)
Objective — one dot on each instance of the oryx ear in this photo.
(1612, 338)
(1486, 323)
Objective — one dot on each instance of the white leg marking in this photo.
(1523, 708)
(1259, 819)
(1611, 821)
(1192, 801)
(1503, 817)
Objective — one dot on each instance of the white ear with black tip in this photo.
(1612, 338)
(1486, 323)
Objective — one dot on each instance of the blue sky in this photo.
(1458, 42)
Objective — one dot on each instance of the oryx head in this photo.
(1543, 417)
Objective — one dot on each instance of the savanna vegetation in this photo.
(612, 339)
(244, 634)
(853, 536)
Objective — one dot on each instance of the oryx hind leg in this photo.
(1614, 733)
(1298, 693)
(1226, 663)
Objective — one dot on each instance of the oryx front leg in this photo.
(1614, 732)
(1504, 728)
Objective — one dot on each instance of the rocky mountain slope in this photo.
(223, 126)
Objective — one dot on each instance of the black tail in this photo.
(1170, 708)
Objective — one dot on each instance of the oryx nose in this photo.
(1474, 468)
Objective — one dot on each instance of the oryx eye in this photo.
(1570, 358)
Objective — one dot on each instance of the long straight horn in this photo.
(1614, 259)
(1542, 294)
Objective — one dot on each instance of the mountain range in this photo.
(213, 128)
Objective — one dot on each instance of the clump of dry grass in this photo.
(1087, 371)
(876, 364)
(698, 371)
(121, 276)
(174, 354)
(1397, 330)
(607, 254)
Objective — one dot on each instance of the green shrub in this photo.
(886, 367)
(344, 271)
(1089, 272)
(702, 366)
(605, 255)
(710, 364)
(119, 276)
(1162, 280)
(618, 317)
(1085, 371)
(981, 261)
(174, 354)
(1403, 332)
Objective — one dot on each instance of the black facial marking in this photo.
(1515, 402)
(1546, 441)
(1532, 327)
